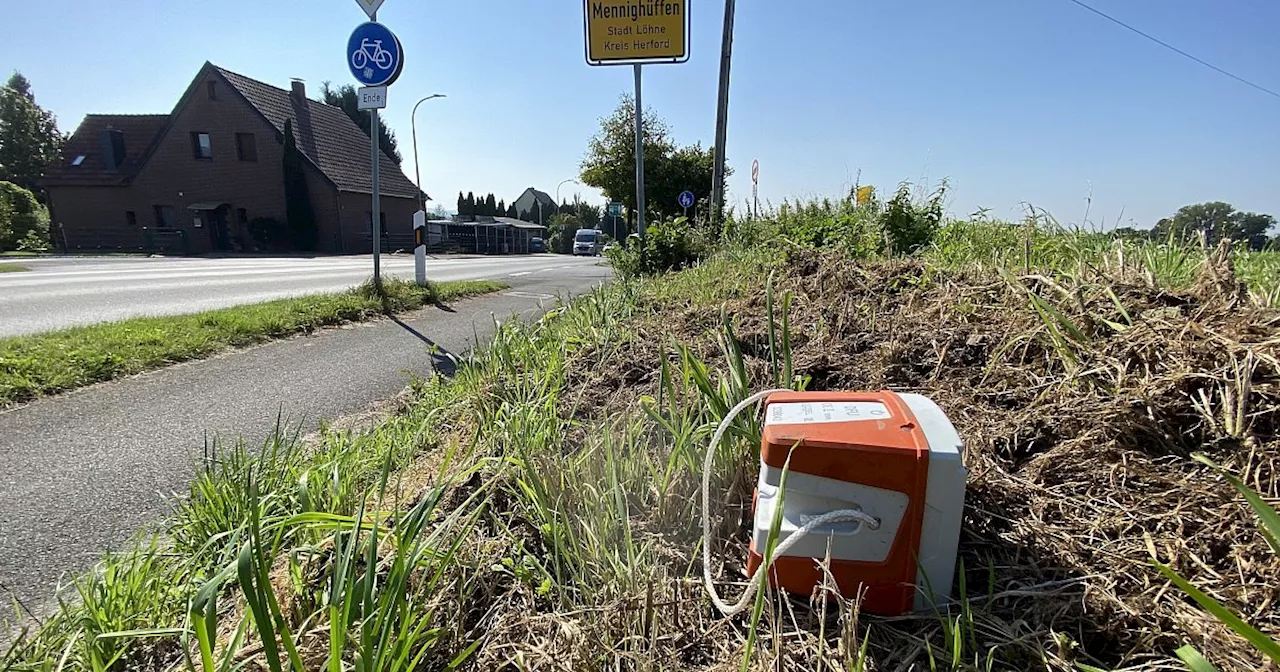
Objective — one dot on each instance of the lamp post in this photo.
(562, 183)
(413, 127)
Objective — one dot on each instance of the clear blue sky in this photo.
(1012, 100)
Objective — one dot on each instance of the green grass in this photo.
(47, 363)
(505, 520)
(13, 268)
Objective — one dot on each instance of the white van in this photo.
(587, 242)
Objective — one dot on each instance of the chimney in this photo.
(112, 142)
(299, 89)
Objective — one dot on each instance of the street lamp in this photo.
(562, 183)
(413, 126)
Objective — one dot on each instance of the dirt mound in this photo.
(1079, 401)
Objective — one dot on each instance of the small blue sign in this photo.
(686, 199)
(374, 55)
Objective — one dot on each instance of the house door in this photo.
(220, 228)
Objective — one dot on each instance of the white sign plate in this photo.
(815, 412)
(370, 7)
(372, 97)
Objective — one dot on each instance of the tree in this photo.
(609, 164)
(345, 97)
(29, 136)
(560, 232)
(501, 210)
(1216, 220)
(471, 204)
(511, 211)
(24, 223)
(589, 214)
(490, 206)
(462, 204)
(1254, 227)
(297, 199)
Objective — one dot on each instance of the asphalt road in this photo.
(65, 291)
(84, 471)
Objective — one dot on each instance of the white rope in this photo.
(842, 515)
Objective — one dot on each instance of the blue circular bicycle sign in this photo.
(686, 199)
(374, 55)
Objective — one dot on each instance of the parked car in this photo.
(587, 242)
(607, 247)
(537, 245)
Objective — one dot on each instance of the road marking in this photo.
(530, 295)
(520, 273)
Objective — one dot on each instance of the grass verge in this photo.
(539, 510)
(12, 268)
(41, 364)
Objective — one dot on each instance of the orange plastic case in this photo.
(871, 451)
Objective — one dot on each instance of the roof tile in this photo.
(327, 136)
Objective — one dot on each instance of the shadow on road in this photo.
(444, 362)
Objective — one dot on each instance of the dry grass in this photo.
(1079, 421)
(563, 466)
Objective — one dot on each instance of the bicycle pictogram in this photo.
(371, 51)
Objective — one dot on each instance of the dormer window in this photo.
(78, 160)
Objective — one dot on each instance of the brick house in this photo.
(192, 180)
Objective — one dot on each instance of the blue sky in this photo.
(1013, 101)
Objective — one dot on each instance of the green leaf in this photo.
(1195, 662)
(466, 653)
(1266, 513)
(1260, 641)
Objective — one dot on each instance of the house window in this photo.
(78, 160)
(246, 147)
(242, 215)
(201, 145)
(165, 216)
(131, 218)
(212, 87)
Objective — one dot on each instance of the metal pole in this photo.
(722, 116)
(377, 211)
(413, 126)
(639, 157)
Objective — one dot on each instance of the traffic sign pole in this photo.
(377, 210)
(376, 59)
(639, 159)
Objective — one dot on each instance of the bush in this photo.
(910, 226)
(23, 221)
(667, 246)
(34, 242)
(561, 229)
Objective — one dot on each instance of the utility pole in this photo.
(722, 116)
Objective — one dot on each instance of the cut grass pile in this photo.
(41, 364)
(540, 509)
(12, 268)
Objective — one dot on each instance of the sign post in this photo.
(639, 158)
(375, 58)
(420, 248)
(686, 201)
(755, 188)
(635, 32)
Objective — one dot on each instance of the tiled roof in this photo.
(327, 136)
(140, 132)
